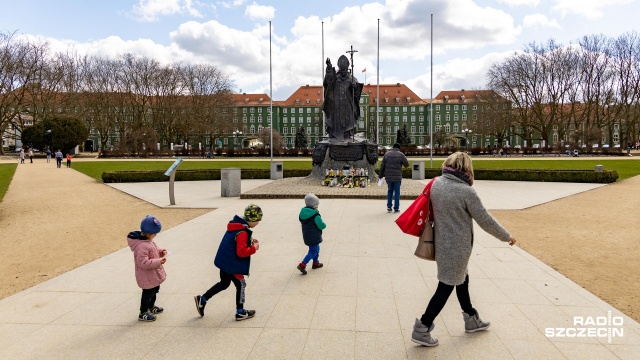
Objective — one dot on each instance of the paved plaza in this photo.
(361, 305)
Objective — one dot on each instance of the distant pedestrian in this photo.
(31, 156)
(148, 259)
(312, 226)
(48, 155)
(68, 160)
(21, 156)
(233, 259)
(391, 171)
(59, 158)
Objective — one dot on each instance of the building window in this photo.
(421, 129)
(308, 129)
(396, 109)
(455, 128)
(437, 107)
(474, 107)
(455, 107)
(464, 117)
(404, 118)
(437, 128)
(300, 110)
(413, 118)
(413, 129)
(259, 110)
(388, 129)
(253, 110)
(308, 119)
(253, 129)
(447, 128)
(284, 110)
(447, 117)
(244, 119)
(447, 107)
(464, 107)
(474, 117)
(244, 110)
(437, 117)
(252, 119)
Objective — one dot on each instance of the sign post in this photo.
(171, 173)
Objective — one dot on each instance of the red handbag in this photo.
(412, 220)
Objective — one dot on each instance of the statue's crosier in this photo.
(341, 100)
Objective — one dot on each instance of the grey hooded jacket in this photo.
(455, 204)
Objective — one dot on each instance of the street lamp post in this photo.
(466, 136)
(236, 133)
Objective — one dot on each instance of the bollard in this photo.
(417, 170)
(230, 182)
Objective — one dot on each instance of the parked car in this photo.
(595, 146)
(18, 149)
(617, 146)
(517, 147)
(536, 146)
(605, 146)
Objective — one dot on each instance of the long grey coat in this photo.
(455, 204)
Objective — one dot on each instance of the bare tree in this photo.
(495, 116)
(210, 103)
(626, 66)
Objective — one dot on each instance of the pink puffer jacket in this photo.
(146, 255)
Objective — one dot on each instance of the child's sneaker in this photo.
(156, 310)
(147, 316)
(302, 269)
(317, 265)
(245, 314)
(200, 304)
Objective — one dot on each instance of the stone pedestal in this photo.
(417, 170)
(277, 171)
(338, 155)
(230, 182)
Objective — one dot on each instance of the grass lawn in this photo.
(625, 168)
(6, 174)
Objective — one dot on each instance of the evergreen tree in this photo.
(301, 141)
(402, 137)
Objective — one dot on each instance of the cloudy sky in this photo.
(234, 35)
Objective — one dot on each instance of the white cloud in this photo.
(255, 12)
(231, 4)
(590, 9)
(151, 10)
(514, 3)
(539, 20)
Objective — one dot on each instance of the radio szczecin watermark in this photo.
(589, 326)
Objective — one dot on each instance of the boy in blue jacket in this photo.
(233, 259)
(312, 226)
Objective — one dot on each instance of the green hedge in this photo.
(575, 176)
(191, 175)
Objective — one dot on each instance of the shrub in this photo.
(191, 175)
(576, 176)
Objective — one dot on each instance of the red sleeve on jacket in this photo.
(241, 245)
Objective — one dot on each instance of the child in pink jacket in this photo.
(148, 258)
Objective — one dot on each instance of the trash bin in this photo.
(599, 168)
(417, 170)
(276, 170)
(230, 182)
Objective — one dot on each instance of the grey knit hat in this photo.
(311, 200)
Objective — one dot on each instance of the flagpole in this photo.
(431, 103)
(322, 82)
(378, 90)
(270, 95)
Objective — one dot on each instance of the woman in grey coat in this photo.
(455, 205)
